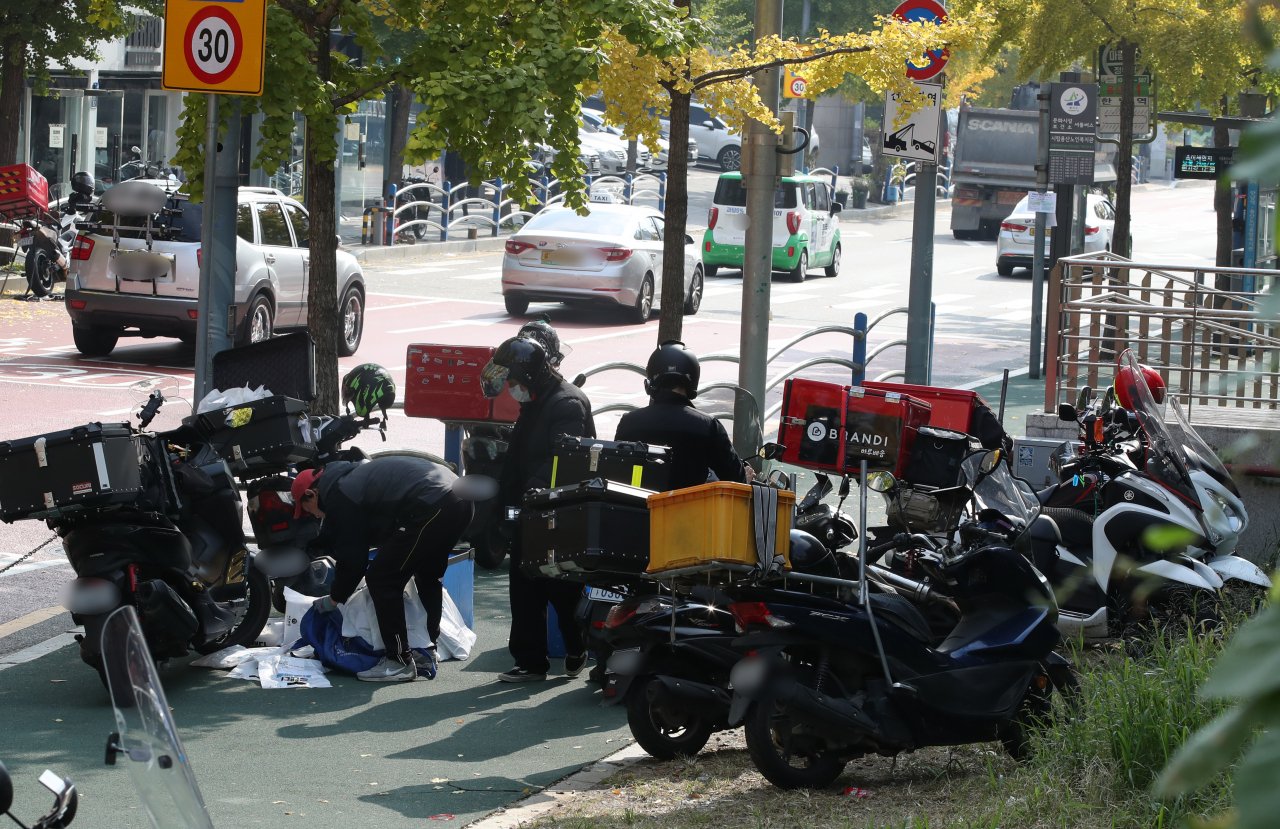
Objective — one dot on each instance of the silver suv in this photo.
(108, 300)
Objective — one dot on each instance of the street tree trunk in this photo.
(13, 59)
(1124, 161)
(322, 284)
(399, 135)
(671, 323)
(12, 65)
(1222, 205)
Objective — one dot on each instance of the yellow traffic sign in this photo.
(793, 85)
(212, 46)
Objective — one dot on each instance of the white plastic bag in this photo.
(272, 635)
(219, 399)
(296, 606)
(232, 657)
(456, 639)
(279, 671)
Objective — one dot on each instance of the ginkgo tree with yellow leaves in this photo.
(1196, 51)
(639, 87)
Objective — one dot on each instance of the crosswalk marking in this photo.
(785, 298)
(867, 293)
(862, 304)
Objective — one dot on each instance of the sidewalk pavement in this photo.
(358, 754)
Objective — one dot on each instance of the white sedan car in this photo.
(611, 257)
(1015, 245)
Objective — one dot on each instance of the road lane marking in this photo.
(455, 324)
(1015, 316)
(33, 618)
(970, 270)
(951, 309)
(785, 298)
(940, 298)
(862, 304)
(34, 652)
(402, 305)
(438, 298)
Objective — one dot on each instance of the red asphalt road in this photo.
(47, 385)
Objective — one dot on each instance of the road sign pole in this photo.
(920, 295)
(760, 178)
(204, 353)
(1037, 257)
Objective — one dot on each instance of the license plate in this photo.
(599, 594)
(559, 257)
(1009, 196)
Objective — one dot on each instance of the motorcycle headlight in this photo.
(1233, 517)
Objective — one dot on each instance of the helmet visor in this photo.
(493, 378)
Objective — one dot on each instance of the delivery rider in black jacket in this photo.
(699, 443)
(550, 406)
(406, 508)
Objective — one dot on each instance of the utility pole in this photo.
(760, 178)
(1037, 257)
(216, 314)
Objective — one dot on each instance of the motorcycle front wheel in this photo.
(787, 760)
(252, 620)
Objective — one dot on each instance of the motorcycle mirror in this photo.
(844, 487)
(1067, 412)
(137, 150)
(772, 451)
(6, 790)
(881, 481)
(989, 461)
(580, 380)
(1086, 395)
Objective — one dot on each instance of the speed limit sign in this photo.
(214, 46)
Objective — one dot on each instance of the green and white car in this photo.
(806, 232)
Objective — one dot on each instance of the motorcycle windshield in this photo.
(1166, 461)
(1195, 452)
(148, 737)
(1000, 490)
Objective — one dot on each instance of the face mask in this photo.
(522, 395)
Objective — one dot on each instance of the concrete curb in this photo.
(382, 253)
(543, 803)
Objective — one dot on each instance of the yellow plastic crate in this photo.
(711, 523)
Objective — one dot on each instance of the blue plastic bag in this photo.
(348, 655)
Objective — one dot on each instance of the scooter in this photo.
(66, 799)
(177, 553)
(825, 682)
(674, 653)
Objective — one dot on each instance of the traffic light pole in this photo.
(215, 316)
(760, 179)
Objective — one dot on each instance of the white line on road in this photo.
(34, 652)
(438, 298)
(402, 305)
(862, 304)
(867, 293)
(785, 298)
(975, 244)
(941, 298)
(455, 324)
(970, 270)
(857, 234)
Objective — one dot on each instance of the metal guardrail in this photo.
(493, 208)
(1203, 328)
(857, 365)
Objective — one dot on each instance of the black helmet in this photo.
(368, 387)
(810, 556)
(521, 359)
(541, 330)
(82, 183)
(672, 364)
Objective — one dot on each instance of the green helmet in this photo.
(368, 387)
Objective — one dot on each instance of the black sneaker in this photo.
(518, 674)
(573, 665)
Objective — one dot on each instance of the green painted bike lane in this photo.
(358, 754)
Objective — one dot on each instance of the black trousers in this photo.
(529, 598)
(419, 550)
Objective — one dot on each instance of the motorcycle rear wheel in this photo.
(257, 609)
(769, 742)
(41, 271)
(664, 733)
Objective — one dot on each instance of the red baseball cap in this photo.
(306, 480)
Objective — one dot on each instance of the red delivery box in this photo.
(23, 191)
(831, 427)
(443, 382)
(951, 408)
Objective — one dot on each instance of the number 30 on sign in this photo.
(214, 46)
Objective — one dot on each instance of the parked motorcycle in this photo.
(66, 799)
(176, 552)
(48, 241)
(827, 681)
(674, 653)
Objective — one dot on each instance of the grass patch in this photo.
(1091, 771)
